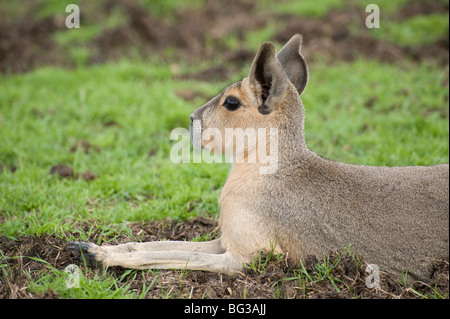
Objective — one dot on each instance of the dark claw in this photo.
(81, 250)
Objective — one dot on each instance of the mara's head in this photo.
(267, 99)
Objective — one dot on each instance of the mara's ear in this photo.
(268, 78)
(293, 63)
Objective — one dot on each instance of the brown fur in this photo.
(397, 217)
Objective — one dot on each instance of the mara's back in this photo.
(398, 217)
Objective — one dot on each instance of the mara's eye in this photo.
(231, 103)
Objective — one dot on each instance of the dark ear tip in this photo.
(268, 45)
(297, 37)
(264, 109)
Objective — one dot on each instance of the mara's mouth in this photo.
(195, 132)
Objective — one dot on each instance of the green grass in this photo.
(378, 114)
(305, 8)
(386, 7)
(166, 8)
(156, 7)
(46, 112)
(415, 31)
(92, 284)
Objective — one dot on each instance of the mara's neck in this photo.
(281, 147)
(284, 143)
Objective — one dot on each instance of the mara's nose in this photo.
(192, 117)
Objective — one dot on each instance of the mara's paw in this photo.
(87, 252)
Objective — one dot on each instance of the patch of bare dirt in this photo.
(272, 277)
(12, 168)
(26, 44)
(332, 37)
(420, 7)
(66, 171)
(85, 146)
(199, 34)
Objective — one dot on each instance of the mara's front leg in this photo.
(208, 256)
(213, 246)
